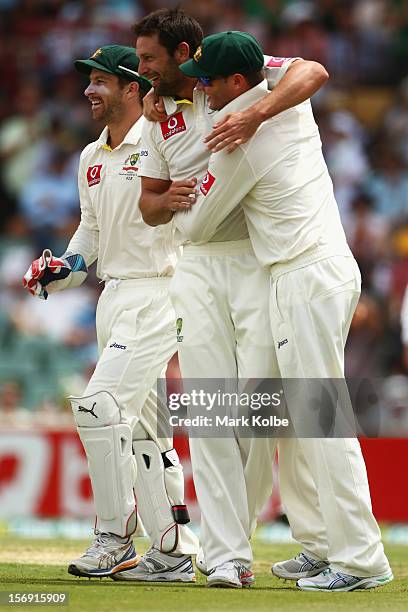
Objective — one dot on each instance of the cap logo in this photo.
(198, 54)
(97, 53)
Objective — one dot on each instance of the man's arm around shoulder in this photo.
(302, 79)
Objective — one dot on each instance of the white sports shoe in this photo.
(247, 577)
(107, 554)
(231, 574)
(301, 566)
(330, 580)
(156, 566)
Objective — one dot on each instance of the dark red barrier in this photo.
(387, 467)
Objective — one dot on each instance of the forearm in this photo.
(85, 242)
(300, 82)
(154, 209)
(160, 199)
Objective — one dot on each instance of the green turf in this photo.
(268, 594)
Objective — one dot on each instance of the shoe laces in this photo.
(242, 569)
(152, 552)
(327, 571)
(100, 543)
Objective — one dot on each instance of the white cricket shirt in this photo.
(174, 149)
(112, 229)
(282, 181)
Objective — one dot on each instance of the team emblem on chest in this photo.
(131, 162)
(130, 166)
(93, 175)
(172, 126)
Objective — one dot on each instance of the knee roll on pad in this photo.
(96, 410)
(161, 509)
(108, 445)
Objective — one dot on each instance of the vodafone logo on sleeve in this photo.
(207, 183)
(93, 175)
(276, 62)
(172, 126)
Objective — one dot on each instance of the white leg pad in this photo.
(108, 445)
(161, 514)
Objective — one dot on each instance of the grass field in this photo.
(42, 567)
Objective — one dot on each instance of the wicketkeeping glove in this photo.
(49, 274)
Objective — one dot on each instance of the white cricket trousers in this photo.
(323, 482)
(221, 293)
(136, 338)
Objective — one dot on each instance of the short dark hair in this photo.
(123, 81)
(173, 26)
(254, 78)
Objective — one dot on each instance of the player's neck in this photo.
(118, 130)
(185, 91)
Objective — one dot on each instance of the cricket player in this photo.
(222, 334)
(282, 181)
(117, 415)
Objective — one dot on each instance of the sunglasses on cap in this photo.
(206, 81)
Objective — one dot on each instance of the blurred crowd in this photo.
(47, 350)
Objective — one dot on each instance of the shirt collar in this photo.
(244, 100)
(132, 137)
(172, 105)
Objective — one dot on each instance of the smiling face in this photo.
(106, 97)
(161, 68)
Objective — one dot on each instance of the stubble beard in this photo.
(174, 82)
(113, 113)
(168, 88)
